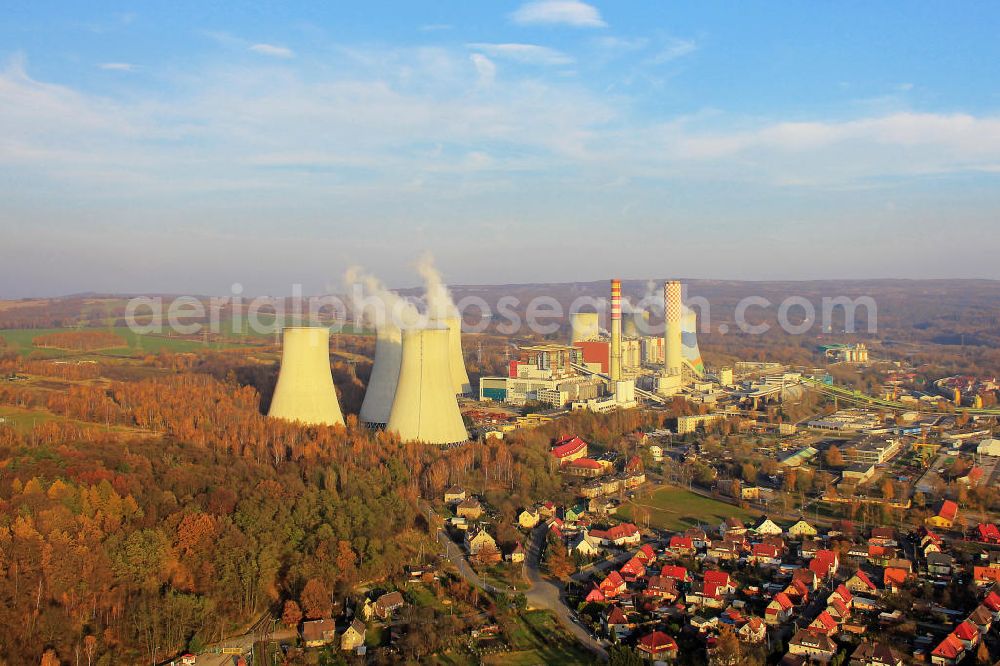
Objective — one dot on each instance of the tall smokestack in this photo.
(305, 390)
(424, 407)
(672, 341)
(616, 330)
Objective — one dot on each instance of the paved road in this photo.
(548, 595)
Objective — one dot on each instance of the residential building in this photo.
(317, 633)
(813, 646)
(454, 494)
(469, 508)
(945, 517)
(354, 636)
(657, 646)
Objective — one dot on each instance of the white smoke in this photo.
(374, 303)
(437, 296)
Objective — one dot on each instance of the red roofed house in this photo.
(861, 583)
(894, 578)
(616, 621)
(763, 554)
(674, 571)
(992, 602)
(968, 634)
(843, 594)
(946, 515)
(983, 576)
(681, 545)
(633, 570)
(661, 588)
(779, 610)
(722, 580)
(824, 624)
(807, 576)
(657, 645)
(586, 467)
(624, 534)
(949, 652)
(596, 596)
(824, 564)
(613, 585)
(988, 532)
(646, 554)
(569, 449)
(754, 631)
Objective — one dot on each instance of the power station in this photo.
(459, 376)
(384, 376)
(424, 407)
(305, 390)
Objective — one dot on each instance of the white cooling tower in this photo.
(305, 390)
(584, 326)
(424, 407)
(384, 377)
(459, 376)
(631, 324)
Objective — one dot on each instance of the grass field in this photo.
(540, 639)
(19, 340)
(672, 508)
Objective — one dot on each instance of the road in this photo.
(548, 595)
(542, 593)
(243, 643)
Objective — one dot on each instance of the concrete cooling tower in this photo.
(385, 376)
(459, 376)
(584, 326)
(305, 390)
(424, 407)
(689, 340)
(635, 324)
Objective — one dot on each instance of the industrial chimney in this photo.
(459, 376)
(385, 375)
(672, 342)
(616, 330)
(424, 407)
(584, 326)
(305, 390)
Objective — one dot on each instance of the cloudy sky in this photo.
(185, 146)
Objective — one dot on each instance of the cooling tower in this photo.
(631, 327)
(305, 390)
(689, 338)
(584, 326)
(672, 336)
(616, 330)
(459, 377)
(385, 375)
(424, 407)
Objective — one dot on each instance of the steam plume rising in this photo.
(372, 301)
(440, 304)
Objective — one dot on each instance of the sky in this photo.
(183, 147)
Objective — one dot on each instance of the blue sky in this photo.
(183, 147)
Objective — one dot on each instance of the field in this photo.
(20, 340)
(539, 639)
(676, 509)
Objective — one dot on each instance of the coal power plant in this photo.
(384, 377)
(305, 390)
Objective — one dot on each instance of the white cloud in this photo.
(485, 68)
(676, 48)
(562, 12)
(117, 66)
(272, 50)
(528, 54)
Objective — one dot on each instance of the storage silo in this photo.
(459, 376)
(425, 407)
(584, 326)
(305, 390)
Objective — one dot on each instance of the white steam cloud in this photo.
(373, 302)
(440, 304)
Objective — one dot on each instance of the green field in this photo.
(540, 639)
(672, 508)
(20, 340)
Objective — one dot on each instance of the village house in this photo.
(585, 545)
(657, 646)
(945, 517)
(680, 546)
(767, 527)
(860, 583)
(615, 623)
(675, 572)
(529, 518)
(478, 539)
(812, 645)
(517, 555)
(354, 636)
(387, 604)
(317, 633)
(877, 653)
(613, 585)
(825, 564)
(454, 494)
(469, 508)
(802, 530)
(779, 610)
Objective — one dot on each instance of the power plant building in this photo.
(305, 390)
(384, 376)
